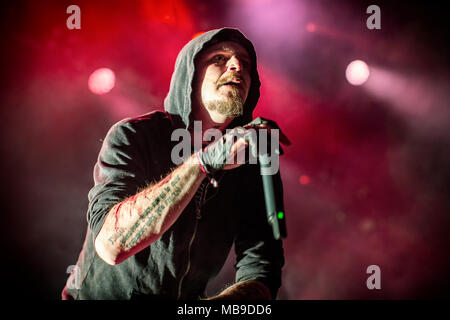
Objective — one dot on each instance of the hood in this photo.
(178, 100)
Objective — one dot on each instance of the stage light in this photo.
(357, 72)
(101, 81)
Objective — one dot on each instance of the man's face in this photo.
(223, 78)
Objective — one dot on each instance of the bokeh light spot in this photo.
(304, 179)
(101, 81)
(311, 27)
(357, 72)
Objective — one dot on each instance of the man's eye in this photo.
(218, 58)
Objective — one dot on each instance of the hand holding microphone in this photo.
(221, 154)
(276, 216)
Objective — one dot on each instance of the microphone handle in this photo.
(275, 216)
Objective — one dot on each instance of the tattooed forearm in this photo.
(151, 213)
(116, 236)
(138, 221)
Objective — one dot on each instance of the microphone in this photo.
(276, 216)
(275, 213)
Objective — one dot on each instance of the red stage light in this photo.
(101, 81)
(357, 72)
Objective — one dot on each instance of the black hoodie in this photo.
(180, 263)
(178, 101)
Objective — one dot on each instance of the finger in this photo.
(237, 152)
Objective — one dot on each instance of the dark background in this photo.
(376, 156)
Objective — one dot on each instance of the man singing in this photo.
(160, 230)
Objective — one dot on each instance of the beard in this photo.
(231, 107)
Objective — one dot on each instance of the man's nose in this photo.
(234, 64)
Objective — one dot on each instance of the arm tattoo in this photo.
(166, 198)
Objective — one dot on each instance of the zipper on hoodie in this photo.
(200, 199)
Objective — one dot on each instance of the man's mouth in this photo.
(235, 83)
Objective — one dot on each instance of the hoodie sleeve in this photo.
(259, 256)
(118, 173)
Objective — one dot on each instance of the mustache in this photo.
(231, 78)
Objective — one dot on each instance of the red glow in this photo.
(169, 12)
(101, 81)
(197, 34)
(304, 179)
(311, 27)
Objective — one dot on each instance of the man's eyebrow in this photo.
(224, 48)
(242, 54)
